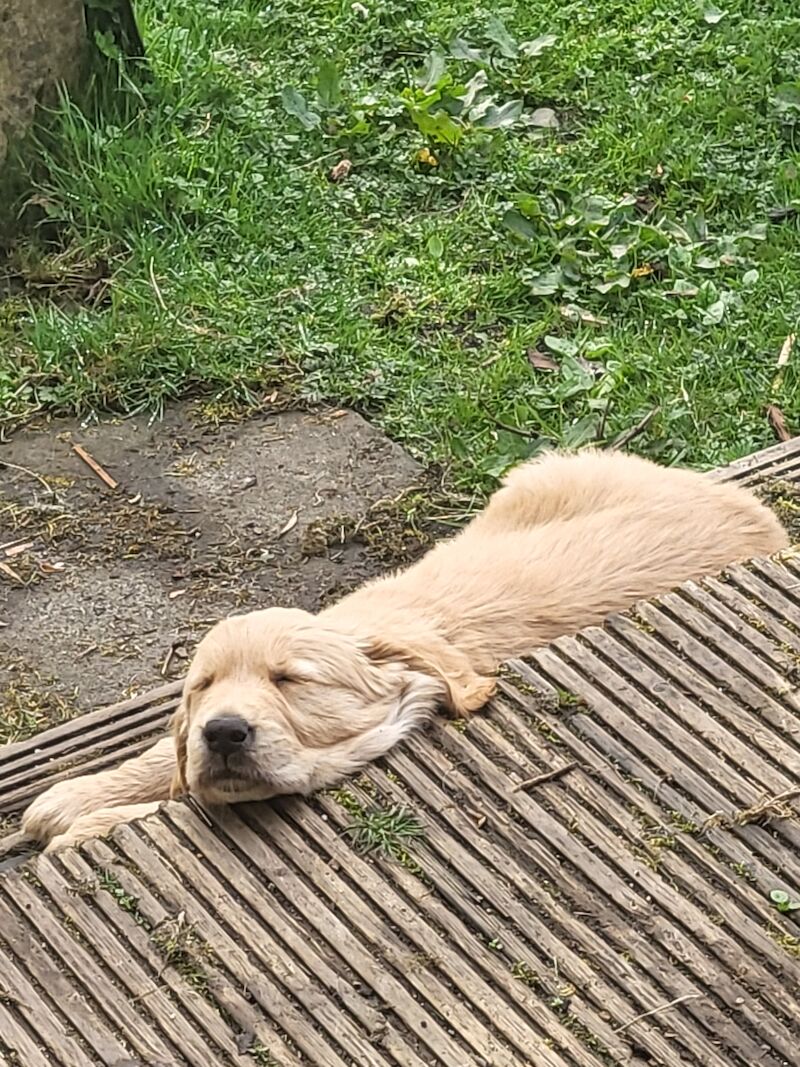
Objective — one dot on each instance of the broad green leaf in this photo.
(460, 49)
(615, 281)
(495, 118)
(777, 896)
(329, 84)
(712, 15)
(583, 431)
(535, 48)
(545, 284)
(439, 126)
(713, 314)
(757, 232)
(294, 103)
(528, 205)
(787, 96)
(496, 31)
(432, 71)
(518, 224)
(562, 346)
(472, 88)
(749, 278)
(435, 246)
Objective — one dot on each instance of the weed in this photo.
(783, 901)
(788, 942)
(261, 1056)
(109, 882)
(525, 974)
(347, 800)
(183, 949)
(384, 830)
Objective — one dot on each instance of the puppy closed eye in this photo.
(280, 678)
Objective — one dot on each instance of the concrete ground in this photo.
(104, 592)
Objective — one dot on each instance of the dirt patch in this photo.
(784, 499)
(105, 592)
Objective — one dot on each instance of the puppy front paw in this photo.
(98, 823)
(59, 806)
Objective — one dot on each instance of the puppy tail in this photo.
(417, 706)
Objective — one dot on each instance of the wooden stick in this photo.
(92, 463)
(657, 1011)
(627, 436)
(548, 776)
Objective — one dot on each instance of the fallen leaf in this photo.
(290, 524)
(545, 117)
(574, 313)
(778, 422)
(6, 569)
(682, 288)
(427, 157)
(176, 593)
(541, 360)
(51, 568)
(341, 170)
(642, 272)
(786, 351)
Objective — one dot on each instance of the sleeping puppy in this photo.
(282, 701)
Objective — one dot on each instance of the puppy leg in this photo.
(143, 779)
(97, 823)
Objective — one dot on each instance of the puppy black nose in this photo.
(226, 734)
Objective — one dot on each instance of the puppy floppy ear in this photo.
(180, 734)
(464, 691)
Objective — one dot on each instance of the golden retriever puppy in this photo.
(283, 701)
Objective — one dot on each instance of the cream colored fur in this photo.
(567, 541)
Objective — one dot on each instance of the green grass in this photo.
(182, 234)
(387, 831)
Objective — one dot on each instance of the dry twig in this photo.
(548, 776)
(777, 421)
(627, 436)
(656, 1011)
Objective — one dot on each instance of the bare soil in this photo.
(104, 592)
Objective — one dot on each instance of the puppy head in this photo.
(278, 701)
